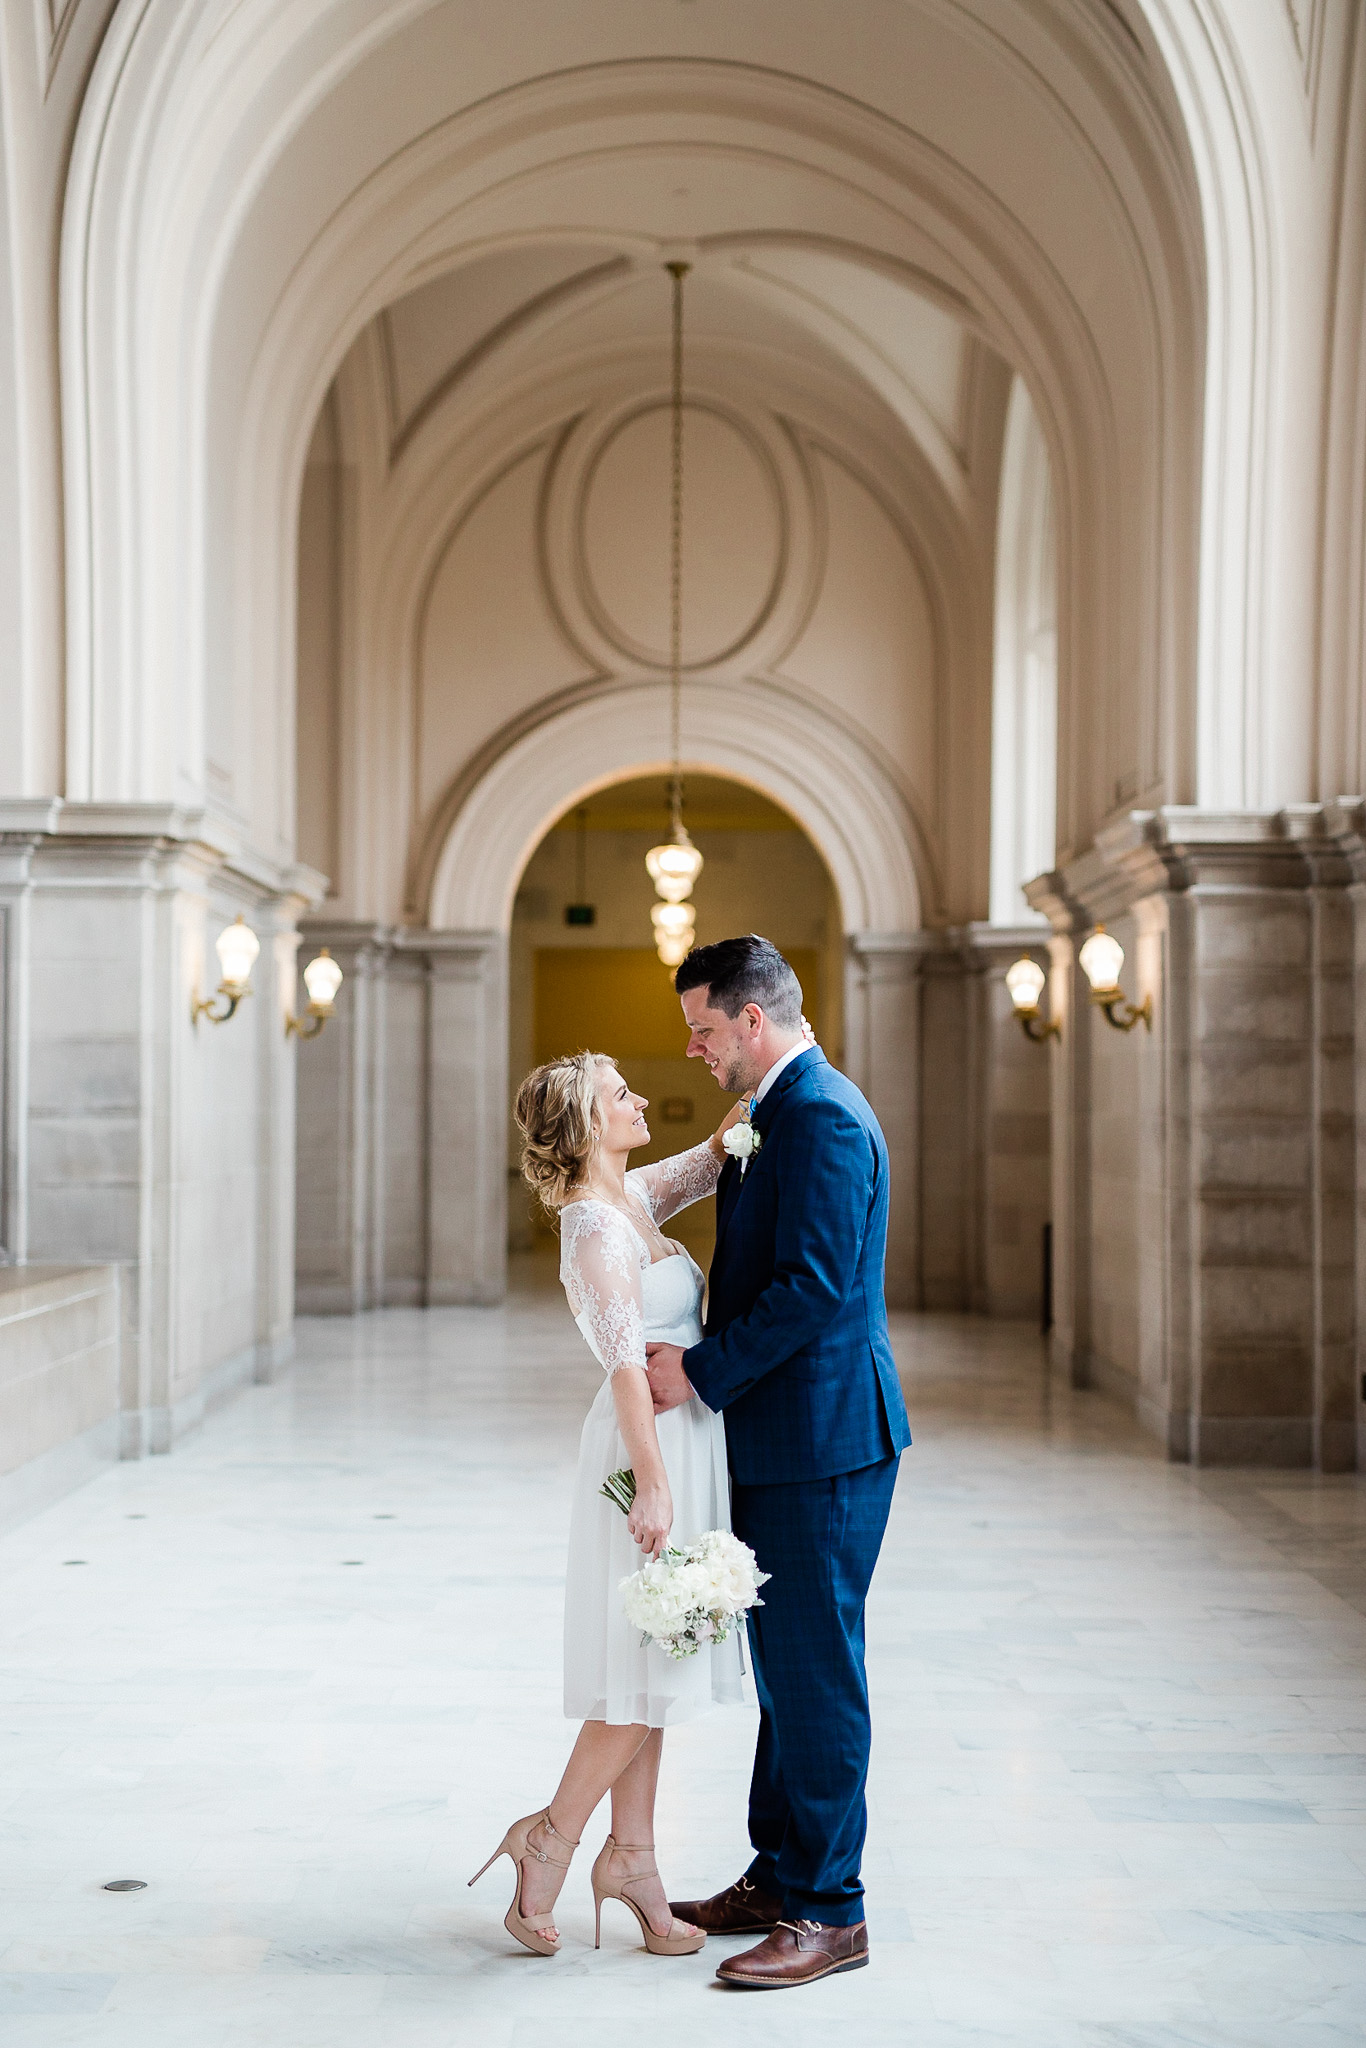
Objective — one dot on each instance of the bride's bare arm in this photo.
(651, 1517)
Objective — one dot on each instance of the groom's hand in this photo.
(668, 1382)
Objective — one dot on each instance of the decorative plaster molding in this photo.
(536, 310)
(202, 607)
(52, 825)
(567, 571)
(755, 732)
(54, 19)
(1182, 847)
(1307, 19)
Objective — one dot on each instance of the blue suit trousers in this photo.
(819, 1539)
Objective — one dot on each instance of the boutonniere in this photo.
(742, 1141)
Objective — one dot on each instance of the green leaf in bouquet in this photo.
(620, 1489)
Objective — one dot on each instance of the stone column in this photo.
(144, 1139)
(882, 1051)
(1012, 1193)
(341, 1081)
(1070, 1342)
(950, 1123)
(1346, 821)
(1218, 1149)
(467, 1110)
(401, 1180)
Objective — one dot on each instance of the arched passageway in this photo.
(600, 985)
(358, 322)
(434, 324)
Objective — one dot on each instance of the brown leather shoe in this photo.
(741, 1909)
(797, 1952)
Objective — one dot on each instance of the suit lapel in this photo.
(727, 1188)
(791, 1074)
(732, 1180)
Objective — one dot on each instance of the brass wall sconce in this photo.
(1025, 980)
(237, 947)
(1101, 959)
(322, 979)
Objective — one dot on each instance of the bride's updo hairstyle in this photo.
(557, 1115)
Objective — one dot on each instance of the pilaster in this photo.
(467, 1095)
(402, 1187)
(1010, 1198)
(882, 1036)
(134, 1136)
(1215, 1277)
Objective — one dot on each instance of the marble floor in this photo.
(298, 1675)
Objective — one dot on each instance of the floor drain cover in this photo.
(126, 1884)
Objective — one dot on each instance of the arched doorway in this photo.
(876, 263)
(582, 970)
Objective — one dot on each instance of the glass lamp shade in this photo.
(322, 979)
(673, 951)
(671, 920)
(674, 868)
(1025, 981)
(237, 947)
(1101, 959)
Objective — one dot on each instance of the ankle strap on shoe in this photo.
(544, 1855)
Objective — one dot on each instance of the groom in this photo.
(796, 1353)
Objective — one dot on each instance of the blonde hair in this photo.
(557, 1115)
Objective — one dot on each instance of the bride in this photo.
(625, 1281)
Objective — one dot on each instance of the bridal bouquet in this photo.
(685, 1598)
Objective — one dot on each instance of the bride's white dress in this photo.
(620, 1299)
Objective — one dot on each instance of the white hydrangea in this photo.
(686, 1598)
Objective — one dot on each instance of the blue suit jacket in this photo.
(795, 1349)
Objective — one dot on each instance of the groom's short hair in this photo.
(740, 971)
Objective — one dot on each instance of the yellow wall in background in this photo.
(620, 1000)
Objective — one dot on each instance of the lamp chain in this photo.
(677, 271)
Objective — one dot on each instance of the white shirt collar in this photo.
(783, 1060)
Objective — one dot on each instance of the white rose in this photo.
(741, 1141)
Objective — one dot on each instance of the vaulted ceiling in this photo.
(507, 313)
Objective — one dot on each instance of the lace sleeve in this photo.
(671, 1184)
(600, 1265)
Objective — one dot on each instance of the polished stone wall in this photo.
(59, 1381)
(1013, 1198)
(402, 1192)
(402, 1185)
(134, 1136)
(1208, 1180)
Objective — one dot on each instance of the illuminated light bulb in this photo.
(674, 867)
(237, 947)
(673, 951)
(669, 919)
(1025, 981)
(322, 979)
(1101, 959)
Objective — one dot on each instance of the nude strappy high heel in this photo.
(528, 1927)
(606, 1887)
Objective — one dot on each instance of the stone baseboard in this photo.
(43, 1480)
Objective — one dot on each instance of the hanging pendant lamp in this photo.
(675, 864)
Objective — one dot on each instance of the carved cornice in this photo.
(1181, 848)
(53, 828)
(359, 938)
